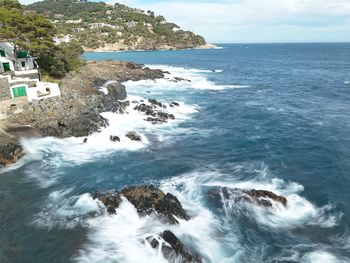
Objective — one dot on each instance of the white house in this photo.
(6, 58)
(19, 76)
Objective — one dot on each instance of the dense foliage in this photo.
(132, 27)
(33, 32)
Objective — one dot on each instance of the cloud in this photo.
(242, 20)
(256, 20)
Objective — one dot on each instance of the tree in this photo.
(35, 33)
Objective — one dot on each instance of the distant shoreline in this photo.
(165, 48)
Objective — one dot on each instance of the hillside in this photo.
(105, 27)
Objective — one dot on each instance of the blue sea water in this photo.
(263, 116)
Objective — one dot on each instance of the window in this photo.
(23, 64)
(2, 53)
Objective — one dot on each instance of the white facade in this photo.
(5, 61)
(43, 90)
(25, 64)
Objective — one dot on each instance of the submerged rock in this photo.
(147, 200)
(260, 198)
(133, 136)
(172, 248)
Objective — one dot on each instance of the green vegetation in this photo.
(33, 32)
(94, 25)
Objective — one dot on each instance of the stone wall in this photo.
(4, 89)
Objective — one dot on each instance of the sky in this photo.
(255, 21)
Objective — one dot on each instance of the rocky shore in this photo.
(94, 89)
(145, 46)
(151, 201)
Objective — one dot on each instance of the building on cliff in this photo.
(20, 76)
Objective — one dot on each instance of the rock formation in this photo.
(147, 200)
(260, 198)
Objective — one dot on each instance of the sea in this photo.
(270, 117)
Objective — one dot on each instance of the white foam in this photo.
(347, 82)
(298, 212)
(121, 238)
(67, 212)
(199, 80)
(320, 256)
(72, 151)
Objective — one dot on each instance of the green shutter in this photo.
(6, 66)
(23, 64)
(19, 91)
(2, 53)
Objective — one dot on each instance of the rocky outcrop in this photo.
(10, 149)
(147, 200)
(77, 112)
(155, 111)
(10, 153)
(172, 248)
(133, 136)
(260, 198)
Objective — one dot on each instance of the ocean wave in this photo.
(319, 256)
(298, 212)
(64, 211)
(192, 79)
(347, 82)
(72, 151)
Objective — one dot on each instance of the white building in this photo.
(19, 76)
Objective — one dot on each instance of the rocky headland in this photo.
(96, 88)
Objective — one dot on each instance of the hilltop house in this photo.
(20, 77)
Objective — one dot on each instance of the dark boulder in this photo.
(174, 104)
(147, 200)
(156, 103)
(114, 138)
(133, 136)
(260, 198)
(258, 194)
(116, 91)
(144, 108)
(10, 153)
(173, 250)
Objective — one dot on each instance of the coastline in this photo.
(122, 48)
(87, 93)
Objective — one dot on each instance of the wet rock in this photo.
(10, 153)
(147, 200)
(133, 136)
(260, 198)
(114, 138)
(144, 108)
(155, 120)
(178, 79)
(157, 103)
(174, 104)
(85, 140)
(257, 194)
(110, 200)
(116, 91)
(173, 250)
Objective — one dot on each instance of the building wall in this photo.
(43, 90)
(4, 60)
(29, 64)
(4, 88)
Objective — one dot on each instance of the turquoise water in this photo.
(272, 116)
